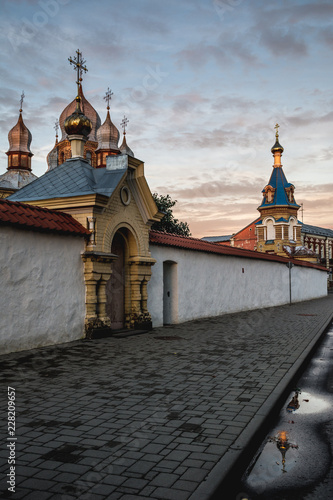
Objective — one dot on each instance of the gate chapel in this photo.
(102, 185)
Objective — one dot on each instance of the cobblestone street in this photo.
(159, 415)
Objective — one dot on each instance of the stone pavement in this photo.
(162, 415)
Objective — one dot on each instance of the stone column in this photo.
(101, 298)
(91, 296)
(97, 271)
(135, 302)
(140, 273)
(144, 296)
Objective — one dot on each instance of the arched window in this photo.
(270, 230)
(292, 224)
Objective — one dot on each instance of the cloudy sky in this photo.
(203, 83)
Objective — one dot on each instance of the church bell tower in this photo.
(278, 226)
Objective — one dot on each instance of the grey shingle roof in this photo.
(75, 177)
(216, 239)
(319, 231)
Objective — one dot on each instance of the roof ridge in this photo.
(180, 236)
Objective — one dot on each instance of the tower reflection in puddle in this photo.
(283, 444)
(293, 405)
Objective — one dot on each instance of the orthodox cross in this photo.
(79, 67)
(56, 127)
(21, 100)
(108, 97)
(124, 124)
(277, 130)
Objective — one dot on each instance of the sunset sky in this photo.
(202, 82)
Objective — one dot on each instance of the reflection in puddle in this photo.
(300, 442)
(313, 404)
(293, 405)
(283, 444)
(280, 453)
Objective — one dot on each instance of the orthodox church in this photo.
(277, 230)
(103, 185)
(97, 267)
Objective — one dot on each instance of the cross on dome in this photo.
(56, 127)
(124, 124)
(108, 97)
(79, 67)
(277, 130)
(21, 101)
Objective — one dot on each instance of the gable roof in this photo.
(39, 219)
(173, 240)
(75, 177)
(279, 183)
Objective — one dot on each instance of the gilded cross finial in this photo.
(79, 67)
(108, 97)
(124, 124)
(277, 130)
(21, 101)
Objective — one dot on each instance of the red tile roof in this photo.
(25, 216)
(173, 240)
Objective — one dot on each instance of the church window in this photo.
(330, 252)
(62, 157)
(322, 251)
(292, 230)
(270, 230)
(88, 157)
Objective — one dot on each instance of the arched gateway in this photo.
(126, 290)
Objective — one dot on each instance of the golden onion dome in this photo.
(277, 147)
(78, 123)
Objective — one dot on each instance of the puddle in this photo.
(295, 457)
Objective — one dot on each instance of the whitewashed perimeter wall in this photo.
(210, 285)
(42, 294)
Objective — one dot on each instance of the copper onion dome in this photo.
(125, 149)
(19, 137)
(107, 135)
(88, 111)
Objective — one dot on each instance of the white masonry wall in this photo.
(42, 292)
(204, 284)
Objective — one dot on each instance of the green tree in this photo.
(169, 224)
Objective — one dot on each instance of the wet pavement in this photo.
(164, 415)
(295, 460)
